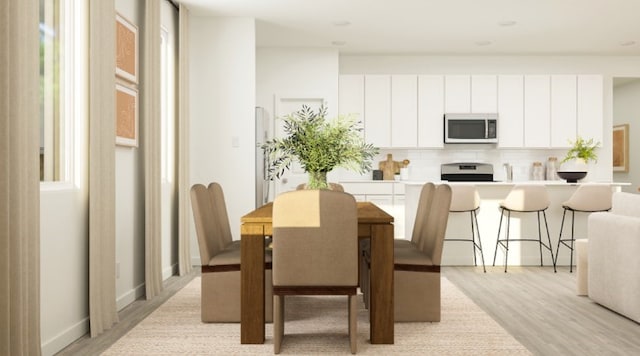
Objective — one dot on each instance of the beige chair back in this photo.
(424, 206)
(464, 197)
(527, 197)
(590, 197)
(315, 239)
(435, 226)
(211, 220)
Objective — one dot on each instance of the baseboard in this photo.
(65, 338)
(169, 271)
(130, 297)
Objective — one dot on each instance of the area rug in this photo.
(317, 325)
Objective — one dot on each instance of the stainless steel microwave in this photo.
(471, 128)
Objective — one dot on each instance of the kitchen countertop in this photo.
(495, 183)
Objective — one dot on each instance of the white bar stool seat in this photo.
(524, 198)
(465, 199)
(588, 198)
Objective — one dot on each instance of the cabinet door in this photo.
(351, 95)
(484, 94)
(457, 94)
(510, 111)
(537, 111)
(377, 110)
(563, 110)
(590, 107)
(404, 111)
(431, 111)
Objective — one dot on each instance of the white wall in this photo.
(130, 192)
(626, 110)
(222, 101)
(606, 66)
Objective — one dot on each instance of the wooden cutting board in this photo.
(390, 167)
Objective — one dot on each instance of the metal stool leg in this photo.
(549, 239)
(573, 224)
(540, 238)
(475, 217)
(473, 239)
(495, 253)
(506, 252)
(560, 237)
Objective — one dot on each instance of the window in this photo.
(63, 66)
(50, 89)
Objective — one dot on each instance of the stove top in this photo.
(466, 172)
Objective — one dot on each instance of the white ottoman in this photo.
(582, 266)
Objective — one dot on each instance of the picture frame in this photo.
(126, 116)
(126, 49)
(621, 148)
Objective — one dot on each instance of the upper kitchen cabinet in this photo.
(590, 107)
(457, 97)
(404, 110)
(537, 111)
(377, 109)
(431, 111)
(484, 94)
(563, 110)
(511, 111)
(351, 95)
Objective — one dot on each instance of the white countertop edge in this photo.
(542, 182)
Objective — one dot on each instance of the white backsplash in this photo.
(425, 163)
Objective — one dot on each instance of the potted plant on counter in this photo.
(319, 145)
(574, 166)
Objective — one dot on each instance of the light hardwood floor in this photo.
(538, 307)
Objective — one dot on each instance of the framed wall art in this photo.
(621, 148)
(126, 116)
(126, 49)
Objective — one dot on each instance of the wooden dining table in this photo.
(373, 223)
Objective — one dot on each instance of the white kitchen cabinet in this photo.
(537, 111)
(404, 111)
(590, 107)
(388, 195)
(431, 111)
(563, 110)
(510, 111)
(377, 110)
(484, 94)
(351, 95)
(457, 94)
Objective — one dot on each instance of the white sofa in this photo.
(614, 256)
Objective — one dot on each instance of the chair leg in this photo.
(540, 239)
(555, 262)
(475, 217)
(473, 239)
(495, 253)
(278, 322)
(506, 252)
(573, 224)
(353, 324)
(544, 214)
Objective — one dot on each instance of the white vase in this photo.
(574, 165)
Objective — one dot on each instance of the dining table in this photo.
(373, 223)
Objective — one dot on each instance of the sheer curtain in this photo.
(102, 281)
(19, 179)
(151, 145)
(184, 216)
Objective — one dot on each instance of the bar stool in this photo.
(588, 198)
(524, 199)
(465, 199)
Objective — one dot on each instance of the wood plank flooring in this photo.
(538, 307)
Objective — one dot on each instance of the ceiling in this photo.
(455, 27)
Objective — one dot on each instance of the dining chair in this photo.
(315, 244)
(220, 258)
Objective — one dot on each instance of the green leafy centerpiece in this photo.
(575, 163)
(319, 145)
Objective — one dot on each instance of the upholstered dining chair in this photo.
(417, 264)
(315, 244)
(424, 205)
(220, 258)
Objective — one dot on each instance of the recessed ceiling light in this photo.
(627, 43)
(338, 43)
(341, 23)
(483, 43)
(507, 23)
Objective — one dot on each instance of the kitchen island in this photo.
(522, 225)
